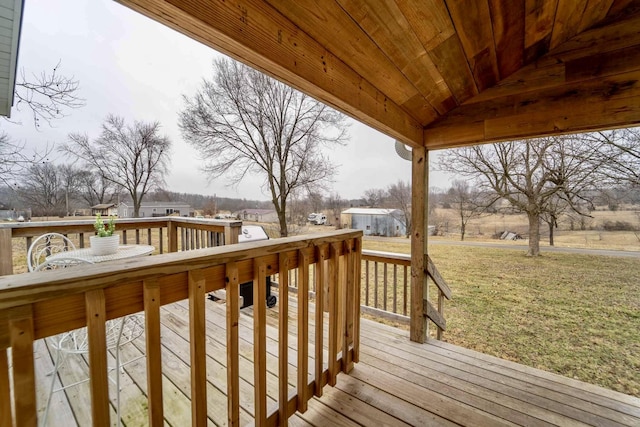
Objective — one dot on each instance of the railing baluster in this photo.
(283, 342)
(441, 311)
(356, 313)
(384, 286)
(395, 288)
(5, 390)
(260, 341)
(366, 270)
(148, 236)
(24, 382)
(161, 238)
(375, 284)
(303, 328)
(334, 280)
(347, 361)
(137, 236)
(151, 295)
(96, 318)
(233, 353)
(405, 294)
(197, 330)
(124, 237)
(319, 285)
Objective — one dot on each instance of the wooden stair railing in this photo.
(433, 314)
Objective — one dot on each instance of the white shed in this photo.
(375, 221)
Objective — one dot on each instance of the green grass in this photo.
(575, 315)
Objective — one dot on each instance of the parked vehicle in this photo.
(317, 218)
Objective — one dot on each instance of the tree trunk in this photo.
(282, 218)
(463, 229)
(534, 234)
(281, 210)
(551, 227)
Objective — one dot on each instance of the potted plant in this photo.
(105, 241)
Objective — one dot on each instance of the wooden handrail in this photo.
(41, 304)
(181, 233)
(435, 314)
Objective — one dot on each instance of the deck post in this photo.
(6, 260)
(419, 327)
(231, 232)
(172, 235)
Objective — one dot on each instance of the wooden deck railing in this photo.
(168, 234)
(385, 288)
(37, 305)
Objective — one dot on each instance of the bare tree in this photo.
(42, 188)
(336, 204)
(47, 95)
(528, 173)
(373, 197)
(243, 122)
(315, 201)
(15, 159)
(620, 149)
(96, 189)
(399, 194)
(134, 158)
(469, 203)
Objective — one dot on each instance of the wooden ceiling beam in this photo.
(577, 106)
(255, 33)
(387, 26)
(348, 40)
(590, 82)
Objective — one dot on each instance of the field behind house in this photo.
(587, 232)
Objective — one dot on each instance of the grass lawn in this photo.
(575, 315)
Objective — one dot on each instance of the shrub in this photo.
(618, 226)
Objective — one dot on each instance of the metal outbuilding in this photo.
(375, 221)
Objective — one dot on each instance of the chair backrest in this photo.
(47, 245)
(61, 262)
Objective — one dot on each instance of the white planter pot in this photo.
(104, 245)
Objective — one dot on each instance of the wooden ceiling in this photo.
(439, 73)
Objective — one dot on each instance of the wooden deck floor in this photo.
(397, 382)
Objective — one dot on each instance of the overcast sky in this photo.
(132, 66)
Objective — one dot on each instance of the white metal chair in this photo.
(47, 245)
(118, 333)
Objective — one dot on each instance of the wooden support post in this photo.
(6, 260)
(419, 290)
